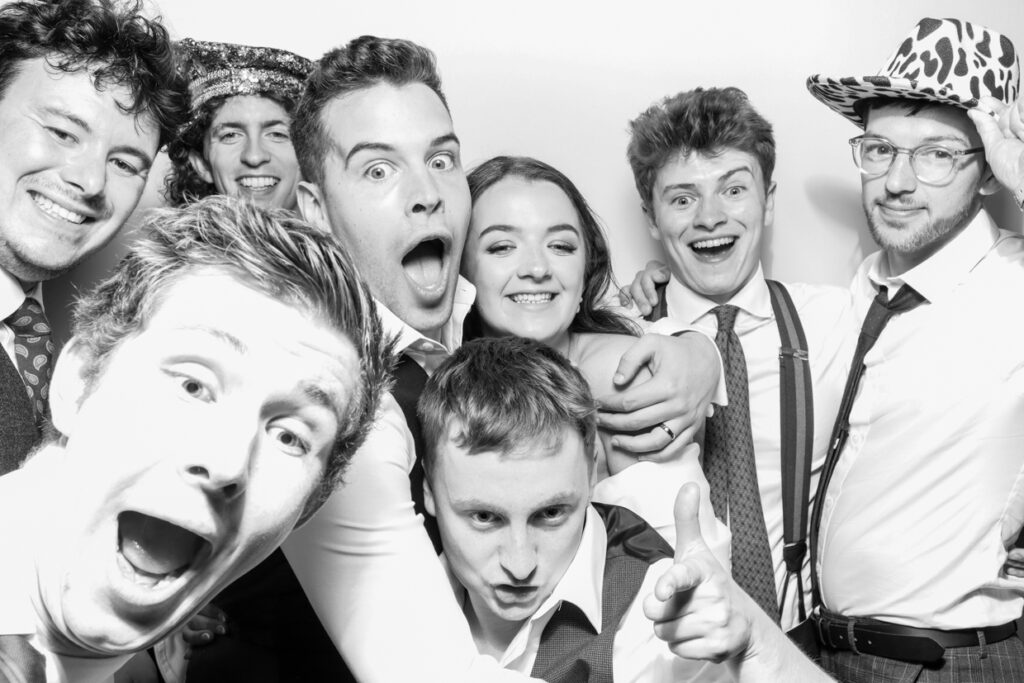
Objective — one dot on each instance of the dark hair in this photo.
(703, 121)
(112, 40)
(183, 183)
(914, 106)
(597, 274)
(506, 393)
(365, 62)
(271, 251)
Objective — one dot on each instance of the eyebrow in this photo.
(722, 178)
(324, 398)
(385, 147)
(227, 338)
(242, 124)
(502, 227)
(145, 159)
(561, 498)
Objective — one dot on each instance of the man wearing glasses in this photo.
(922, 492)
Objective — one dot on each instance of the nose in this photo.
(220, 467)
(254, 153)
(535, 264)
(86, 171)
(710, 213)
(519, 556)
(900, 178)
(424, 194)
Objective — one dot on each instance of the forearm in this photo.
(772, 656)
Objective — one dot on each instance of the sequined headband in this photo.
(245, 81)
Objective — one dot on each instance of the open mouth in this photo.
(425, 264)
(532, 297)
(717, 246)
(258, 182)
(50, 208)
(154, 551)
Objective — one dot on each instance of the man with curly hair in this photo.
(88, 94)
(237, 140)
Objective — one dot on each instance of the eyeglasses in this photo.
(932, 164)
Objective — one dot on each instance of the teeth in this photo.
(537, 298)
(56, 211)
(712, 243)
(258, 182)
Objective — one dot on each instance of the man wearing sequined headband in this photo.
(236, 141)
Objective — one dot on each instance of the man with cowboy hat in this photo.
(922, 493)
(923, 489)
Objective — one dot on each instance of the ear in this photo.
(428, 497)
(199, 165)
(68, 385)
(311, 205)
(652, 225)
(769, 205)
(988, 185)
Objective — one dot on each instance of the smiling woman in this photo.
(237, 141)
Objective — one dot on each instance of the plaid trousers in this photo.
(1003, 663)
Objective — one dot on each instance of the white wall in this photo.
(561, 80)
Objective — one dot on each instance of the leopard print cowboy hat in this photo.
(942, 60)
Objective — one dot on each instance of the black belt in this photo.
(903, 643)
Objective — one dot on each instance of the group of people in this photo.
(348, 412)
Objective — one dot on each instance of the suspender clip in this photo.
(800, 354)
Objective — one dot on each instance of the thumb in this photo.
(687, 516)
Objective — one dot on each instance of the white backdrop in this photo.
(561, 80)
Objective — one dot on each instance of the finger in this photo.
(687, 517)
(647, 414)
(650, 287)
(1016, 572)
(197, 638)
(635, 357)
(988, 127)
(624, 298)
(671, 587)
(672, 451)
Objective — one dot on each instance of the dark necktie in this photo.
(33, 351)
(882, 309)
(732, 473)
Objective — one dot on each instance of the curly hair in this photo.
(703, 121)
(110, 39)
(271, 251)
(362, 63)
(183, 184)
(597, 273)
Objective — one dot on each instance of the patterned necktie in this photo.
(732, 473)
(20, 662)
(881, 311)
(33, 350)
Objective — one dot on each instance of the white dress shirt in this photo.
(638, 656)
(929, 489)
(366, 563)
(831, 328)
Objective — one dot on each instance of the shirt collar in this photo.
(12, 295)
(687, 306)
(427, 352)
(939, 274)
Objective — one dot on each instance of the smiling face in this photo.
(709, 213)
(909, 219)
(189, 460)
(248, 153)
(510, 524)
(72, 168)
(525, 254)
(395, 195)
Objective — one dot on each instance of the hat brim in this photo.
(842, 95)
